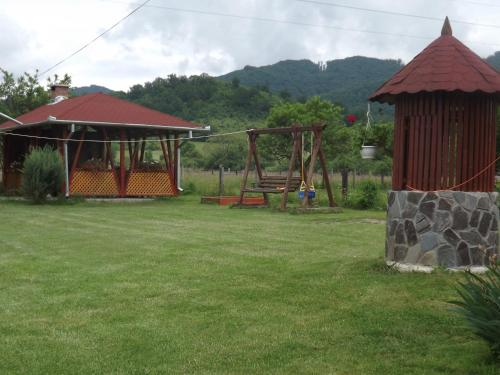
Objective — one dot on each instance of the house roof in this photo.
(100, 109)
(444, 65)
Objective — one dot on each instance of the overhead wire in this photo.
(9, 132)
(268, 20)
(306, 24)
(273, 20)
(95, 39)
(393, 13)
(477, 3)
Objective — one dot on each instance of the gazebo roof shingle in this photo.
(103, 109)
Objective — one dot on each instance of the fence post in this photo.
(221, 180)
(345, 182)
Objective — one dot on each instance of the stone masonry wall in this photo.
(449, 229)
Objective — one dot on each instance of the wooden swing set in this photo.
(303, 184)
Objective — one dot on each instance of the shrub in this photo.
(365, 196)
(480, 305)
(43, 174)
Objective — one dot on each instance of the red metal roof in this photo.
(444, 65)
(101, 108)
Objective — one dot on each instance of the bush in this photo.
(365, 196)
(480, 305)
(43, 174)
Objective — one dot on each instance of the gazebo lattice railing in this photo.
(135, 179)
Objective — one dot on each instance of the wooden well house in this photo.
(442, 210)
(103, 142)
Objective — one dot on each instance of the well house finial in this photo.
(446, 30)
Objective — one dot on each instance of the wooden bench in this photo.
(274, 184)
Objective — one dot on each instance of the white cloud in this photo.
(157, 42)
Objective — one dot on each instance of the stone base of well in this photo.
(452, 229)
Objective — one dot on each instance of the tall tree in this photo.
(22, 94)
(65, 80)
(314, 111)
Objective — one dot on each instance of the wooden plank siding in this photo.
(442, 140)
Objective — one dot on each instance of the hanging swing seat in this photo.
(311, 193)
(274, 184)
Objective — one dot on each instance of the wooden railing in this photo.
(105, 183)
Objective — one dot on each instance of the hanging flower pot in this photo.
(368, 152)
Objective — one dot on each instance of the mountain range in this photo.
(77, 91)
(348, 81)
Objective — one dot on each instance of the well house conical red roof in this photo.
(444, 65)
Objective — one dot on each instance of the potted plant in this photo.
(368, 147)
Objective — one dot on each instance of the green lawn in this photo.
(179, 287)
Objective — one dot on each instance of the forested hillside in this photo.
(204, 99)
(348, 82)
(89, 90)
(494, 60)
(245, 94)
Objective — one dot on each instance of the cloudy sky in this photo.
(218, 36)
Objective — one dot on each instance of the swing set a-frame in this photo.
(303, 184)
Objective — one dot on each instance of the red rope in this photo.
(466, 181)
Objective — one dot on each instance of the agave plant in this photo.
(480, 305)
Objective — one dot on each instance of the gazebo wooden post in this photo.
(5, 159)
(165, 152)
(168, 165)
(168, 142)
(143, 148)
(129, 146)
(123, 188)
(135, 151)
(64, 135)
(176, 162)
(110, 156)
(76, 159)
(134, 158)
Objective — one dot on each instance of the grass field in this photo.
(178, 287)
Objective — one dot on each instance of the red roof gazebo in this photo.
(88, 125)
